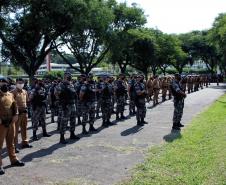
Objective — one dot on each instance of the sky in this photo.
(180, 16)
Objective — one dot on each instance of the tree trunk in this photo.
(31, 79)
(154, 70)
(122, 68)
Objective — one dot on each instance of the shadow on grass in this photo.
(173, 135)
(221, 101)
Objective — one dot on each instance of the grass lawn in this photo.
(197, 157)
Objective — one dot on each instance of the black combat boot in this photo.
(104, 124)
(109, 122)
(175, 126)
(18, 163)
(84, 130)
(139, 123)
(134, 112)
(122, 116)
(130, 113)
(62, 139)
(117, 117)
(73, 136)
(52, 119)
(2, 171)
(79, 121)
(180, 125)
(17, 150)
(58, 126)
(91, 128)
(35, 137)
(97, 116)
(143, 122)
(45, 134)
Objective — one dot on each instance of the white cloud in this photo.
(180, 16)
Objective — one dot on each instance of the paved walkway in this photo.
(105, 157)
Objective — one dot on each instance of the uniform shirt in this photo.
(99, 88)
(88, 88)
(140, 98)
(156, 84)
(120, 87)
(8, 107)
(109, 87)
(164, 83)
(131, 84)
(149, 84)
(176, 88)
(71, 90)
(41, 92)
(21, 98)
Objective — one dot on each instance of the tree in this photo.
(126, 19)
(145, 50)
(31, 26)
(199, 47)
(167, 50)
(217, 36)
(180, 57)
(86, 40)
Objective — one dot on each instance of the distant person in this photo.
(179, 96)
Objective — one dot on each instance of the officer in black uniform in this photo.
(81, 80)
(106, 103)
(38, 98)
(67, 98)
(87, 98)
(120, 92)
(179, 95)
(140, 100)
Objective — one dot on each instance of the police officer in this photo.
(21, 98)
(120, 92)
(81, 80)
(131, 92)
(8, 117)
(98, 96)
(53, 101)
(106, 103)
(38, 97)
(67, 98)
(156, 88)
(87, 98)
(164, 88)
(179, 96)
(140, 100)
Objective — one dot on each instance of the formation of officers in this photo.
(79, 102)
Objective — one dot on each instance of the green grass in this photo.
(196, 157)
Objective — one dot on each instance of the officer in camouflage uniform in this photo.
(140, 101)
(37, 98)
(87, 98)
(78, 85)
(53, 101)
(106, 103)
(67, 97)
(179, 96)
(131, 91)
(120, 92)
(98, 96)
